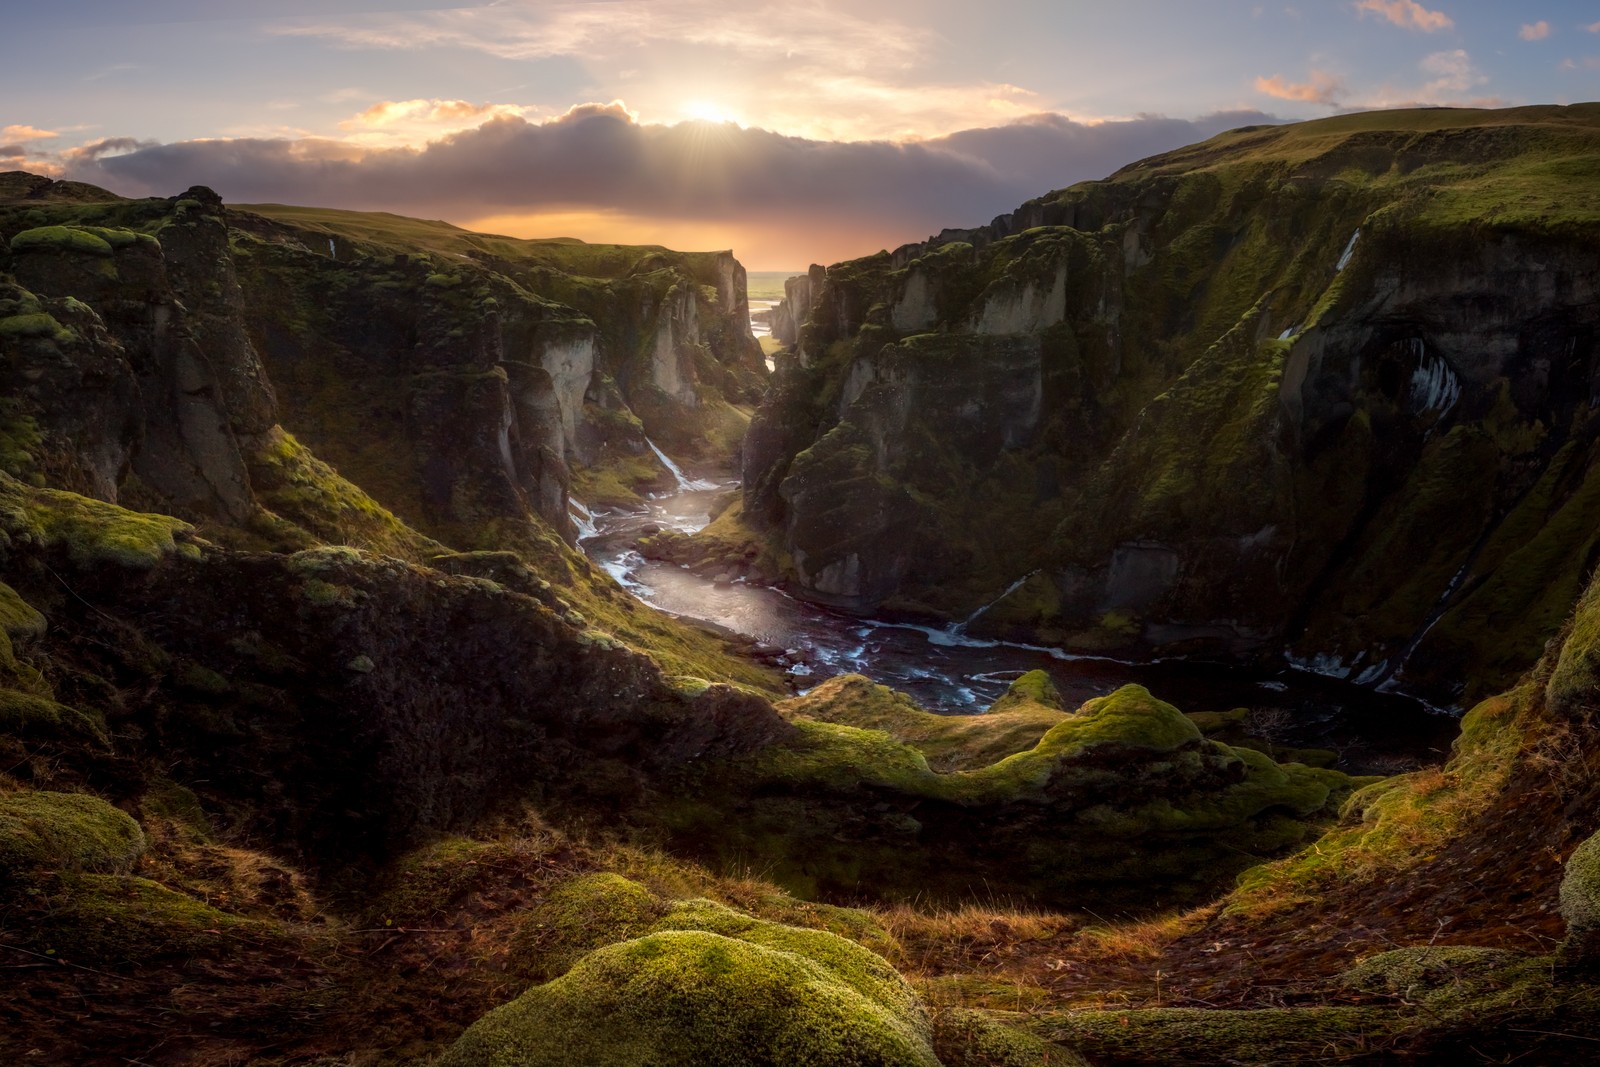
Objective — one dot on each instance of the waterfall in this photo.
(684, 482)
(1434, 386)
(1349, 250)
(582, 518)
(961, 627)
(331, 253)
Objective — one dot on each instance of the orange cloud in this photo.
(1322, 88)
(19, 134)
(1407, 13)
(1536, 31)
(426, 112)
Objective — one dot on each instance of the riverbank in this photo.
(949, 672)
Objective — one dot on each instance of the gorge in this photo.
(322, 740)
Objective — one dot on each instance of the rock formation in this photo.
(1283, 393)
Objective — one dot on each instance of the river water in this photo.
(949, 673)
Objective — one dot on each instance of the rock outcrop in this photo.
(1283, 393)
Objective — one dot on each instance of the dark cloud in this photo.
(598, 158)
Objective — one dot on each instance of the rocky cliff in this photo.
(1323, 391)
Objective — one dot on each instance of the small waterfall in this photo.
(684, 482)
(961, 627)
(582, 518)
(332, 254)
(1434, 385)
(1349, 250)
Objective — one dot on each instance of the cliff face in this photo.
(369, 321)
(1323, 390)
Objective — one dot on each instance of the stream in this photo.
(950, 673)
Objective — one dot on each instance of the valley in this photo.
(1157, 626)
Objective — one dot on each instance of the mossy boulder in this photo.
(1580, 906)
(114, 920)
(964, 1037)
(579, 916)
(689, 998)
(90, 531)
(18, 618)
(42, 830)
(1034, 687)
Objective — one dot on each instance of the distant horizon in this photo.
(819, 139)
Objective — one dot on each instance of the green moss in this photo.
(61, 239)
(91, 531)
(31, 717)
(35, 324)
(1580, 906)
(855, 966)
(964, 1037)
(293, 483)
(577, 917)
(1199, 1035)
(109, 920)
(696, 999)
(1034, 687)
(66, 832)
(948, 742)
(18, 618)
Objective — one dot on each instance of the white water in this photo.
(1349, 250)
(582, 517)
(683, 480)
(961, 627)
(332, 254)
(1434, 385)
(949, 671)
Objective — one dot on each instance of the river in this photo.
(950, 673)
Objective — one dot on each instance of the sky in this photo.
(794, 132)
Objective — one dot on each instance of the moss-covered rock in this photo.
(697, 999)
(1123, 792)
(964, 1037)
(579, 916)
(66, 832)
(1580, 907)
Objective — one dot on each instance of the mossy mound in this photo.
(964, 1037)
(90, 531)
(18, 618)
(579, 916)
(66, 832)
(949, 742)
(1034, 687)
(1123, 793)
(112, 920)
(863, 970)
(1580, 907)
(694, 999)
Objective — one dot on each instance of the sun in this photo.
(708, 111)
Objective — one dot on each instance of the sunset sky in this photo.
(795, 132)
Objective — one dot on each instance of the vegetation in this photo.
(320, 744)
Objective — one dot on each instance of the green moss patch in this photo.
(66, 832)
(579, 916)
(697, 999)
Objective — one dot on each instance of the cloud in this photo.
(26, 133)
(1453, 72)
(407, 122)
(1593, 27)
(598, 160)
(1407, 13)
(1535, 31)
(1586, 63)
(811, 30)
(813, 68)
(1320, 88)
